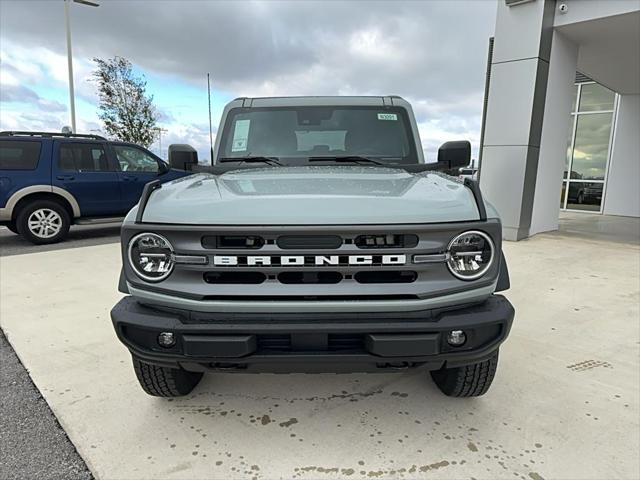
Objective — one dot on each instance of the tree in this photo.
(125, 108)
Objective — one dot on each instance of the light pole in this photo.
(160, 130)
(72, 100)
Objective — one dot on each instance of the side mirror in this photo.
(163, 168)
(182, 156)
(452, 155)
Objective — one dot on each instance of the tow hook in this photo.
(396, 366)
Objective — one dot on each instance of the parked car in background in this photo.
(585, 193)
(468, 172)
(49, 181)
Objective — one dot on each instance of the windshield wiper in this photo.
(346, 159)
(259, 159)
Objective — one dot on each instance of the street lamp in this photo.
(159, 131)
(72, 101)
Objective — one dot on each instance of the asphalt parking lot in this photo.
(30, 435)
(564, 404)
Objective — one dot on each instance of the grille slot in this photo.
(292, 278)
(386, 241)
(345, 342)
(404, 276)
(235, 278)
(276, 343)
(251, 242)
(311, 242)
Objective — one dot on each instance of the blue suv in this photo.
(49, 181)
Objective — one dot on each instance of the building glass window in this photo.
(594, 98)
(588, 148)
(591, 146)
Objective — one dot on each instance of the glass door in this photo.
(583, 187)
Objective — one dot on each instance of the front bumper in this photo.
(313, 342)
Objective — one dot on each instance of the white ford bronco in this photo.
(320, 241)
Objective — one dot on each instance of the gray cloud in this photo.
(18, 93)
(431, 52)
(436, 47)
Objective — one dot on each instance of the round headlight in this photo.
(151, 256)
(470, 255)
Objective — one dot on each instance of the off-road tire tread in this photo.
(164, 382)
(467, 381)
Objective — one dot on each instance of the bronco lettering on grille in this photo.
(307, 260)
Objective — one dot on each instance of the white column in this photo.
(515, 109)
(622, 195)
(556, 133)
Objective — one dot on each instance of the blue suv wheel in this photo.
(43, 221)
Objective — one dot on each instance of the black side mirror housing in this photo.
(182, 156)
(163, 168)
(453, 155)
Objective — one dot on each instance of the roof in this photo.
(390, 100)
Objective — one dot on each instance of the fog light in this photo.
(166, 339)
(456, 338)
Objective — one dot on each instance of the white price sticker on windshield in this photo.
(240, 136)
(387, 116)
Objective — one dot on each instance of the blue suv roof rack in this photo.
(15, 133)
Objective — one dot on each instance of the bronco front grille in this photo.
(288, 265)
(316, 263)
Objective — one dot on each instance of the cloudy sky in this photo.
(431, 52)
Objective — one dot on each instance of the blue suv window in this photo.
(19, 155)
(133, 159)
(83, 157)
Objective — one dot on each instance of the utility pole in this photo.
(67, 21)
(210, 126)
(160, 130)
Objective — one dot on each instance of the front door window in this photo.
(132, 159)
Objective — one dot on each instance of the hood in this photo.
(314, 195)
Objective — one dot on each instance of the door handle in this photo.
(131, 178)
(65, 177)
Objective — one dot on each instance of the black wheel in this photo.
(12, 227)
(163, 381)
(468, 381)
(43, 221)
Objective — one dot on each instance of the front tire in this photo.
(43, 221)
(163, 381)
(467, 381)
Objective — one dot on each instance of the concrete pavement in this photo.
(565, 402)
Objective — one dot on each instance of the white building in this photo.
(556, 140)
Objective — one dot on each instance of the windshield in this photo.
(294, 135)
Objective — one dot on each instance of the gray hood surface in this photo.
(314, 195)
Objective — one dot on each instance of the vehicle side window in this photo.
(19, 155)
(133, 159)
(83, 157)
